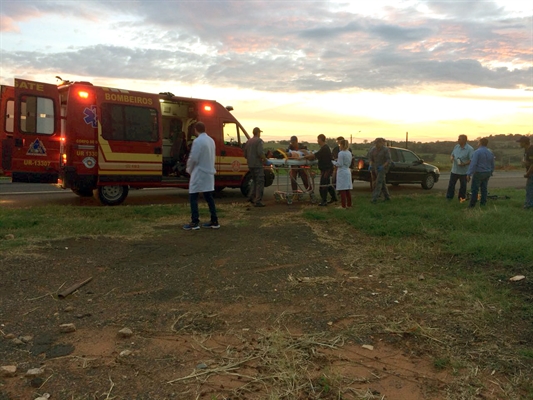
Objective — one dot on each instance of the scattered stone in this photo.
(368, 347)
(201, 366)
(26, 339)
(36, 382)
(125, 333)
(421, 277)
(517, 278)
(67, 328)
(17, 342)
(45, 396)
(69, 308)
(10, 336)
(9, 236)
(35, 372)
(126, 353)
(8, 371)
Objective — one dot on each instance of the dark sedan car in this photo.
(406, 167)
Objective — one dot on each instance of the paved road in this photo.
(30, 194)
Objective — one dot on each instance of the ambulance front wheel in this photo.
(246, 185)
(112, 195)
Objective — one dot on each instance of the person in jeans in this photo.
(480, 170)
(201, 167)
(323, 155)
(255, 156)
(460, 157)
(379, 163)
(525, 143)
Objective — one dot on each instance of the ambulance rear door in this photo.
(7, 105)
(36, 134)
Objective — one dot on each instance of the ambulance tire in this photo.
(246, 184)
(83, 192)
(112, 195)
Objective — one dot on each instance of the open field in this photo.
(410, 299)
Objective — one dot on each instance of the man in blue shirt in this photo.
(460, 157)
(480, 170)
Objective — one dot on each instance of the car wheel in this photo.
(429, 182)
(112, 195)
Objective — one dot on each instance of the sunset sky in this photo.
(365, 68)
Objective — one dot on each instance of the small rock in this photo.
(8, 371)
(125, 353)
(67, 328)
(45, 396)
(35, 372)
(517, 278)
(26, 339)
(17, 342)
(69, 308)
(10, 336)
(368, 347)
(421, 277)
(125, 333)
(201, 366)
(9, 236)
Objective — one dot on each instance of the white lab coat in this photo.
(201, 164)
(344, 174)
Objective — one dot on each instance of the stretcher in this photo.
(292, 188)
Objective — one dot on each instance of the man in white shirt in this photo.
(201, 167)
(461, 155)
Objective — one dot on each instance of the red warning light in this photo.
(207, 108)
(83, 94)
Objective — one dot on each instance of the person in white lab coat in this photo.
(201, 167)
(344, 174)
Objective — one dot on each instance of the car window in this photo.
(409, 157)
(395, 155)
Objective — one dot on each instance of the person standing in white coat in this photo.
(344, 174)
(201, 167)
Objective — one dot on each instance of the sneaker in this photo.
(211, 225)
(259, 204)
(191, 227)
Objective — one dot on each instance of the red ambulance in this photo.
(103, 141)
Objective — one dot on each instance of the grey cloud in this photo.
(284, 46)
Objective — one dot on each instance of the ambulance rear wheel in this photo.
(112, 195)
(246, 185)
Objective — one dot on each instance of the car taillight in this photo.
(63, 159)
(361, 163)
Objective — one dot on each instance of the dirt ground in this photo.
(270, 306)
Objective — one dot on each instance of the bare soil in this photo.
(269, 306)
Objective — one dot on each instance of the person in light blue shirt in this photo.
(480, 170)
(461, 155)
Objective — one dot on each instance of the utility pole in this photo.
(406, 139)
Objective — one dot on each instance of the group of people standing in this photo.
(468, 165)
(477, 166)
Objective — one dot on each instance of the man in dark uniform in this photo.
(323, 155)
(254, 154)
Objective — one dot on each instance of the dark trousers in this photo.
(453, 182)
(294, 173)
(258, 184)
(326, 187)
(195, 214)
(480, 180)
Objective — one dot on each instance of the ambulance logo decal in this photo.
(36, 149)
(90, 116)
(89, 162)
(236, 166)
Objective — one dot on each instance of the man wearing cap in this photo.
(460, 157)
(379, 163)
(254, 154)
(527, 162)
(296, 170)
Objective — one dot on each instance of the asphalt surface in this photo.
(31, 194)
